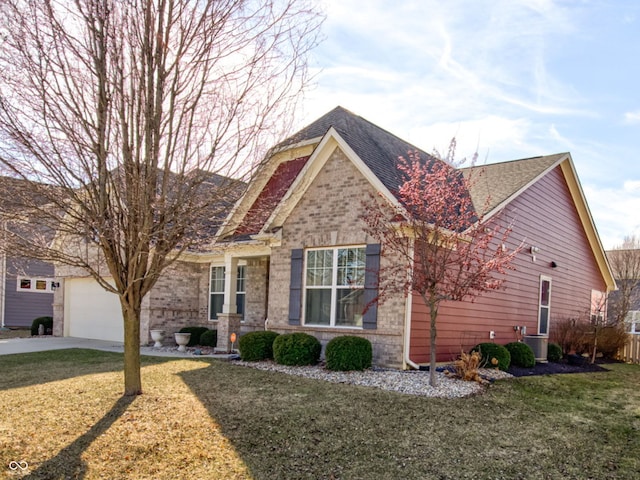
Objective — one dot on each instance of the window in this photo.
(544, 305)
(598, 307)
(633, 321)
(240, 290)
(216, 291)
(334, 287)
(35, 285)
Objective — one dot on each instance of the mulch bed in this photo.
(551, 368)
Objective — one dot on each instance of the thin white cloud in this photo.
(632, 117)
(614, 210)
(509, 78)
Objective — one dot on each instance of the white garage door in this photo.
(91, 311)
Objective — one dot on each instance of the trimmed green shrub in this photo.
(46, 321)
(521, 354)
(348, 352)
(493, 355)
(209, 338)
(296, 349)
(554, 352)
(256, 346)
(195, 332)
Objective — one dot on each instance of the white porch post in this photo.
(230, 284)
(229, 319)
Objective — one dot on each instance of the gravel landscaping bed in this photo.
(410, 382)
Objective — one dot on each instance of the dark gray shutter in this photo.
(295, 286)
(371, 276)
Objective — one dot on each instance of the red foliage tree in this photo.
(445, 249)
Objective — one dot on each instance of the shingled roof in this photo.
(377, 148)
(494, 183)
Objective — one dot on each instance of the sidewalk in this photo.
(38, 344)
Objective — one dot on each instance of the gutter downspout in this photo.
(3, 287)
(407, 363)
(3, 277)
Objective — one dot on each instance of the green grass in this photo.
(208, 419)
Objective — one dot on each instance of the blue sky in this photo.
(510, 79)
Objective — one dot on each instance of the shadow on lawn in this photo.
(26, 369)
(287, 427)
(68, 462)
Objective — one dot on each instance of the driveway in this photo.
(38, 344)
(10, 346)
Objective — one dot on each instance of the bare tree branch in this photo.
(136, 121)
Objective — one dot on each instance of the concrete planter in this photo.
(182, 339)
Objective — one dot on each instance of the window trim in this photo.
(241, 264)
(334, 287)
(33, 283)
(544, 278)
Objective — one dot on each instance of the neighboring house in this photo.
(26, 285)
(632, 319)
(293, 254)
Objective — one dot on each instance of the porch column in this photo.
(229, 319)
(230, 284)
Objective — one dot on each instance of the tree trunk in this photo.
(433, 312)
(132, 379)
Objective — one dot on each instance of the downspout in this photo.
(3, 288)
(3, 277)
(407, 362)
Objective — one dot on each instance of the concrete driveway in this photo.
(38, 344)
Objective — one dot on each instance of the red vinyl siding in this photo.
(544, 216)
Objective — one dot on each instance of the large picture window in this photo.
(216, 291)
(334, 287)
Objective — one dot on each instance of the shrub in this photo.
(493, 355)
(554, 352)
(256, 346)
(521, 354)
(46, 321)
(296, 349)
(195, 334)
(348, 352)
(209, 338)
(572, 334)
(467, 367)
(611, 339)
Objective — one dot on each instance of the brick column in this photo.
(59, 328)
(228, 323)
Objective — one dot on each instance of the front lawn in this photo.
(62, 414)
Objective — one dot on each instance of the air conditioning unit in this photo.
(539, 344)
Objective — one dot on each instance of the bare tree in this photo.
(625, 263)
(445, 249)
(131, 117)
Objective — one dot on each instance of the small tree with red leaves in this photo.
(445, 249)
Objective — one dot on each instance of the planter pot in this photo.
(182, 339)
(157, 336)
